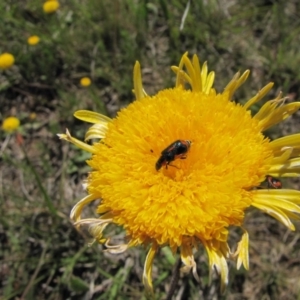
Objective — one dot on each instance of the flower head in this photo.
(50, 6)
(85, 81)
(180, 167)
(33, 40)
(10, 124)
(6, 60)
(32, 116)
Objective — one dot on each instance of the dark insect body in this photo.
(273, 182)
(177, 150)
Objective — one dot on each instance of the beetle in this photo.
(273, 182)
(177, 149)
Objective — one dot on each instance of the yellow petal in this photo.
(137, 81)
(290, 166)
(277, 213)
(286, 154)
(147, 273)
(198, 71)
(259, 95)
(97, 131)
(243, 251)
(77, 209)
(188, 260)
(97, 232)
(217, 261)
(279, 114)
(76, 142)
(268, 109)
(181, 77)
(269, 201)
(115, 249)
(286, 194)
(286, 141)
(91, 117)
(209, 82)
(235, 83)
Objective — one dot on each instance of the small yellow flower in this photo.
(85, 81)
(10, 124)
(6, 60)
(32, 116)
(192, 201)
(50, 6)
(33, 40)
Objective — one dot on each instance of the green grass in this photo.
(42, 255)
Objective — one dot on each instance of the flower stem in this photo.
(174, 280)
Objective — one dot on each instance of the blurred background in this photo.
(69, 55)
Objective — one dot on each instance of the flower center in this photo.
(195, 196)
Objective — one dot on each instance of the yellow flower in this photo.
(51, 6)
(33, 40)
(6, 60)
(162, 200)
(10, 124)
(32, 116)
(85, 81)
